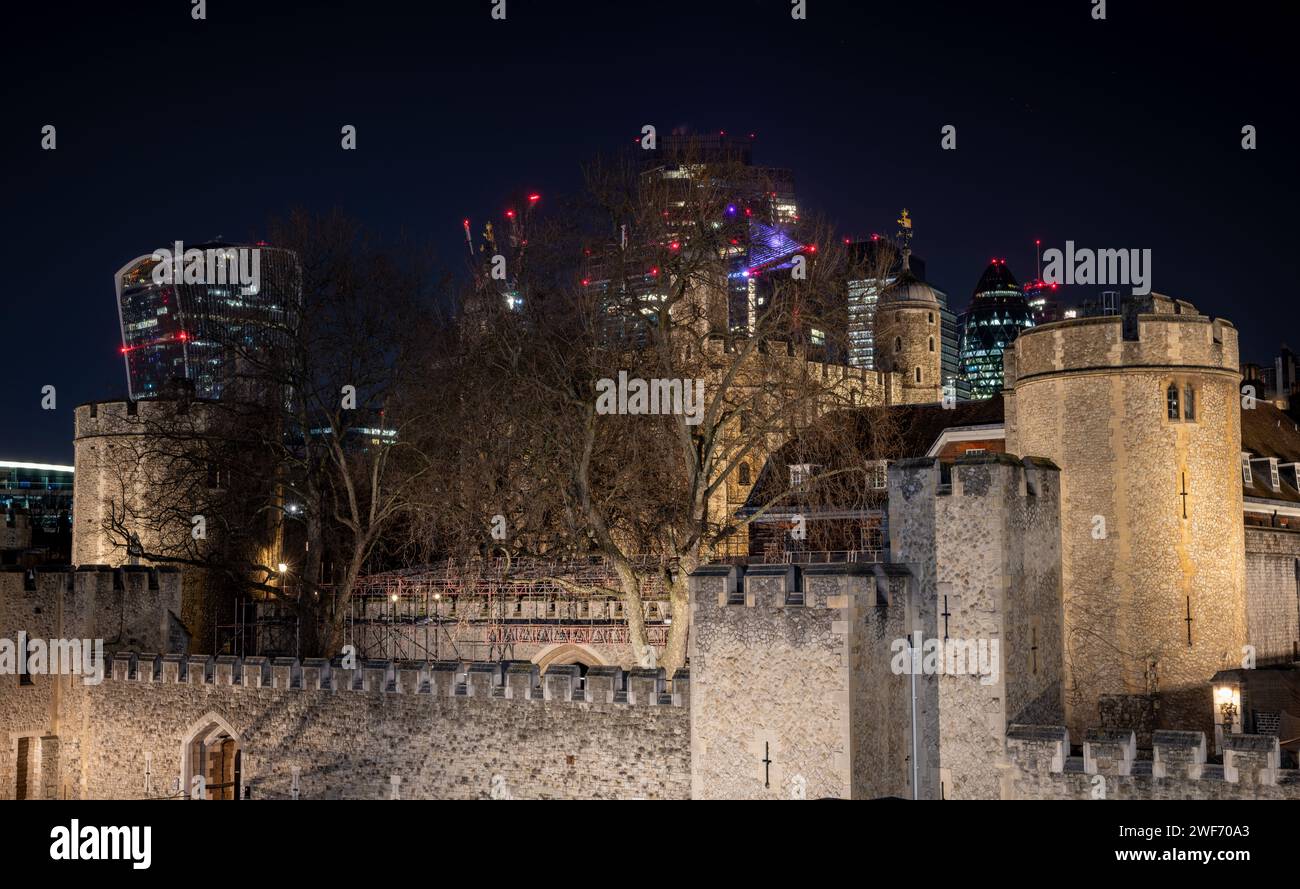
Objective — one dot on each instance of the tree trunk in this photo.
(678, 634)
(634, 612)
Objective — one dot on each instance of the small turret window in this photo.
(744, 473)
(898, 344)
(931, 344)
(1171, 399)
(918, 374)
(931, 314)
(1189, 403)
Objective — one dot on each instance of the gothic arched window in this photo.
(1171, 400)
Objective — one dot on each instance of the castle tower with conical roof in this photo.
(909, 331)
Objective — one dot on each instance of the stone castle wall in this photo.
(1039, 766)
(796, 693)
(445, 728)
(1091, 396)
(831, 719)
(1272, 600)
(983, 553)
(450, 730)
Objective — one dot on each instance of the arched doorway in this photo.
(212, 750)
(568, 653)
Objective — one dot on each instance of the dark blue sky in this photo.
(1120, 133)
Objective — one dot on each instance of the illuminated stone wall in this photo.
(1151, 507)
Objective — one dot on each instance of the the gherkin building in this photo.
(998, 312)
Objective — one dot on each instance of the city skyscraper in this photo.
(878, 263)
(204, 315)
(697, 180)
(756, 202)
(997, 314)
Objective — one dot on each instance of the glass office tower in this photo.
(997, 313)
(223, 310)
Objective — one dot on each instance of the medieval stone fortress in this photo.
(579, 409)
(1114, 543)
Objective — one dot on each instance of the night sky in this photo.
(1115, 134)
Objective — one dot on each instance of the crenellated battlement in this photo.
(794, 586)
(1163, 333)
(985, 475)
(123, 416)
(505, 680)
(129, 607)
(1041, 766)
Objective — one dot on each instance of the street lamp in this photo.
(437, 624)
(1226, 697)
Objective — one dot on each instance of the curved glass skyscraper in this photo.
(215, 313)
(998, 312)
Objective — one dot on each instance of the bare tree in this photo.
(638, 281)
(310, 443)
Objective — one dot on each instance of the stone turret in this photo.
(1141, 411)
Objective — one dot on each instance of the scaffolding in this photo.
(481, 609)
(490, 606)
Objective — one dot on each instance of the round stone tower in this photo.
(1141, 411)
(132, 476)
(909, 334)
